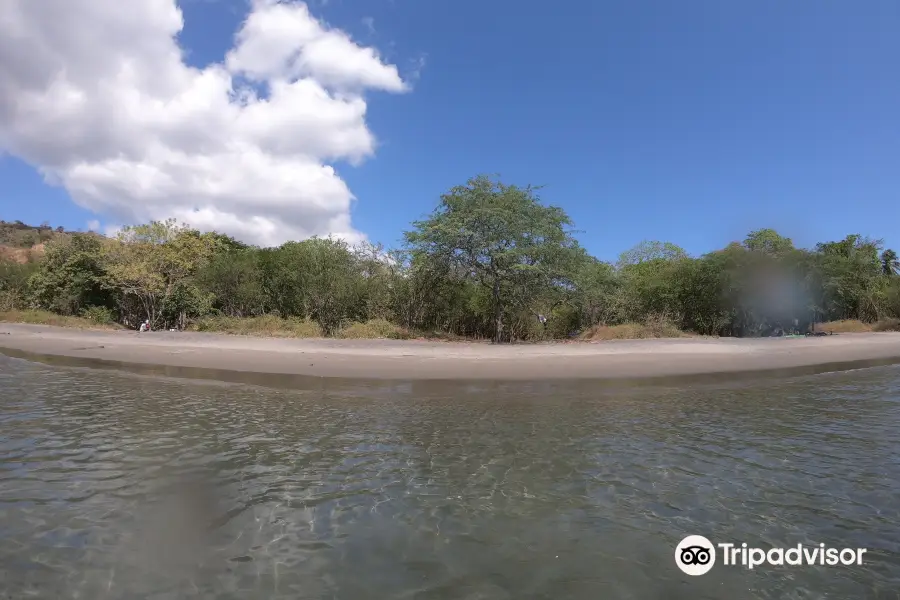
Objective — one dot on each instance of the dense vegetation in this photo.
(489, 262)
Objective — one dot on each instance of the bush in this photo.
(266, 325)
(844, 326)
(14, 284)
(99, 314)
(374, 329)
(886, 325)
(653, 327)
(11, 300)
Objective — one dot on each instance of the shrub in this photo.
(99, 314)
(266, 325)
(653, 327)
(374, 329)
(844, 326)
(886, 325)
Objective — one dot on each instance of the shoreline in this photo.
(230, 357)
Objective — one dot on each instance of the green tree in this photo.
(331, 282)
(14, 284)
(595, 294)
(504, 238)
(70, 277)
(700, 295)
(430, 293)
(318, 278)
(486, 263)
(234, 279)
(769, 242)
(890, 265)
(651, 252)
(851, 269)
(151, 267)
(648, 273)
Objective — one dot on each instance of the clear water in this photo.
(121, 486)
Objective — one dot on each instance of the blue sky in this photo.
(692, 122)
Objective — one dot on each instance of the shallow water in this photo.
(120, 486)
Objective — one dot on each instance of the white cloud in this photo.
(97, 96)
(93, 225)
(112, 230)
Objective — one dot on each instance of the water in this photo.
(120, 486)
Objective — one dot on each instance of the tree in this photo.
(15, 280)
(595, 293)
(501, 236)
(769, 242)
(234, 279)
(318, 278)
(430, 293)
(699, 295)
(889, 264)
(651, 251)
(851, 269)
(490, 261)
(647, 274)
(329, 280)
(70, 277)
(151, 267)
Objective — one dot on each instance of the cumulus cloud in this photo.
(97, 95)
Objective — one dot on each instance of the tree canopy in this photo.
(503, 239)
(490, 261)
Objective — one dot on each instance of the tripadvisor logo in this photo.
(696, 555)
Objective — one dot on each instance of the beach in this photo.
(427, 360)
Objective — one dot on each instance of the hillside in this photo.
(21, 255)
(20, 242)
(16, 234)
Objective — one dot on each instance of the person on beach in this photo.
(145, 326)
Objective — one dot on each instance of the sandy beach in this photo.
(423, 360)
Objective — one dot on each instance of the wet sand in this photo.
(423, 360)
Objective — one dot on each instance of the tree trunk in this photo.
(498, 314)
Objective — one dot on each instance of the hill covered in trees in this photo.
(491, 261)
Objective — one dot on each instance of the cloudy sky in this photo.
(100, 97)
(692, 122)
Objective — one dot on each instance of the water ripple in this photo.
(118, 486)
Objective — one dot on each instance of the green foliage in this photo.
(890, 265)
(502, 238)
(234, 280)
(318, 279)
(70, 278)
(99, 314)
(491, 261)
(651, 252)
(14, 278)
(150, 269)
(768, 242)
(374, 329)
(266, 325)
